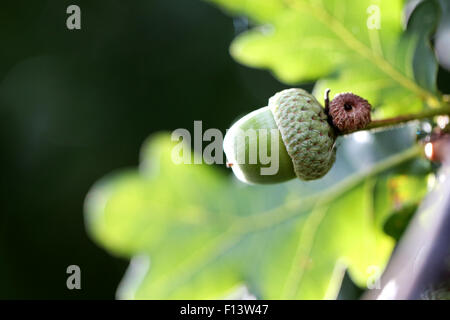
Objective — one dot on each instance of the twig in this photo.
(375, 124)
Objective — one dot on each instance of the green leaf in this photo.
(421, 25)
(349, 45)
(194, 233)
(443, 35)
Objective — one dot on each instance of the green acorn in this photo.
(295, 132)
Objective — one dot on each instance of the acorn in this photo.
(296, 133)
(296, 122)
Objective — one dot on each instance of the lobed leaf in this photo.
(206, 235)
(348, 45)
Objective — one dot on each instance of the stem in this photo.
(375, 124)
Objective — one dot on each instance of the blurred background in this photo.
(77, 104)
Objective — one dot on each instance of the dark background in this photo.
(77, 104)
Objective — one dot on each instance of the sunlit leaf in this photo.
(348, 45)
(195, 233)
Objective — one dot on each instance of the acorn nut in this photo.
(293, 129)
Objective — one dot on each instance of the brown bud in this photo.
(349, 112)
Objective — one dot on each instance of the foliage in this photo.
(205, 235)
(335, 41)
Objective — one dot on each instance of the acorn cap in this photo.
(308, 137)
